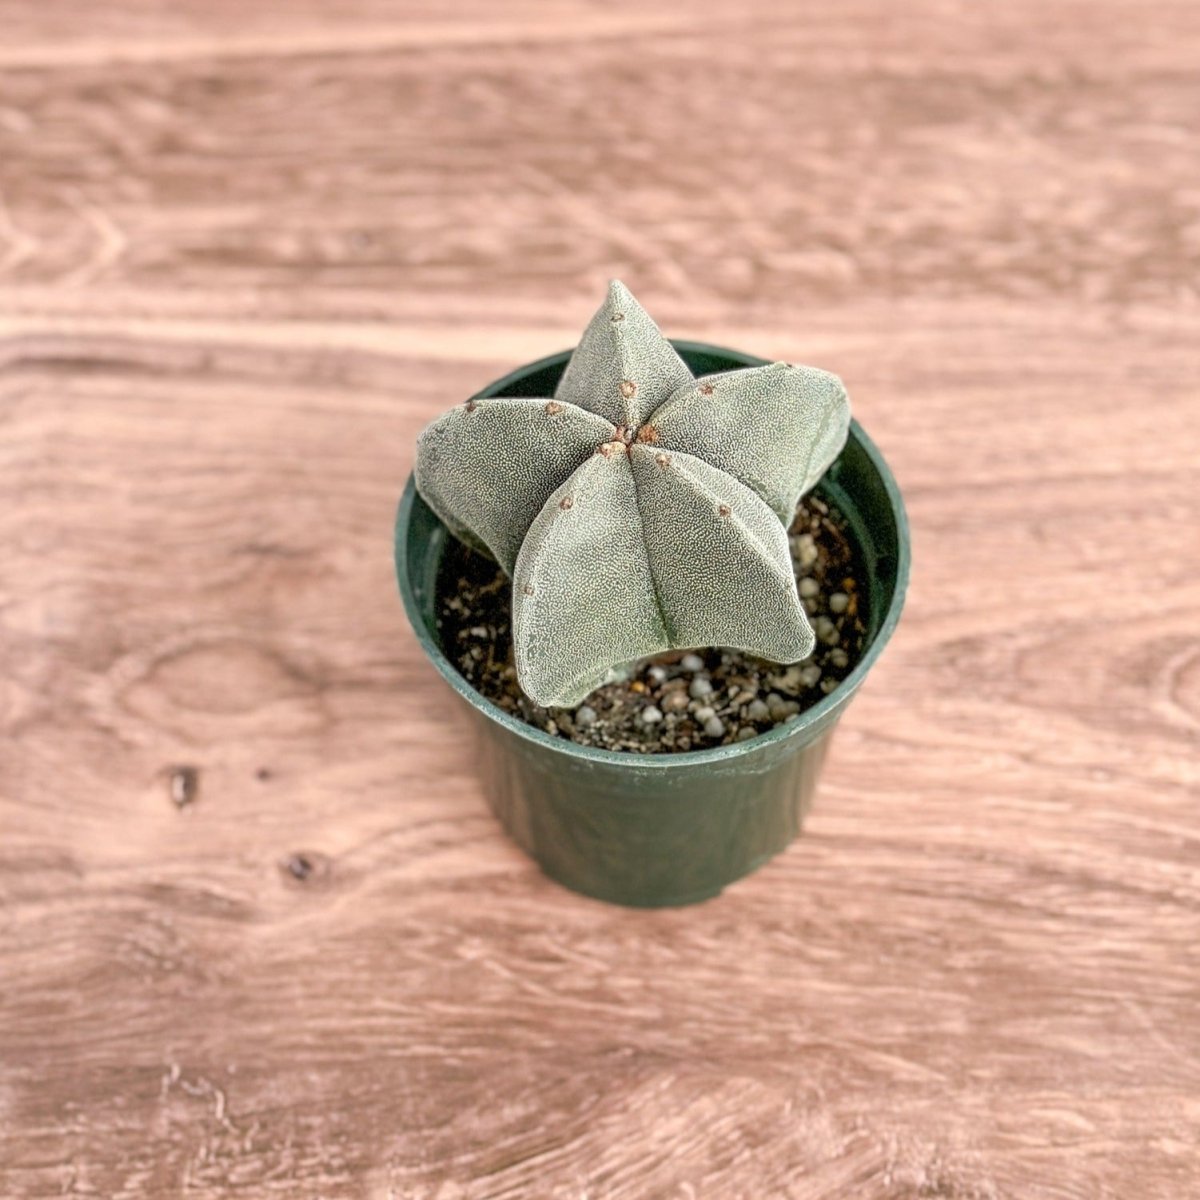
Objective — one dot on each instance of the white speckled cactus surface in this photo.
(639, 509)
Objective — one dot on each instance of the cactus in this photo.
(639, 509)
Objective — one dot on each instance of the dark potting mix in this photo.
(681, 700)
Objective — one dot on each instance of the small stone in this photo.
(778, 707)
(787, 680)
(692, 662)
(675, 701)
(651, 714)
(839, 602)
(585, 715)
(810, 676)
(757, 711)
(657, 674)
(825, 629)
(700, 687)
(714, 727)
(810, 606)
(804, 548)
(746, 733)
(704, 713)
(827, 685)
(478, 631)
(839, 658)
(808, 588)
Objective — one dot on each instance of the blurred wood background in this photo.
(258, 933)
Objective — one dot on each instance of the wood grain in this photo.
(259, 935)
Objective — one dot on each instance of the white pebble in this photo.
(811, 676)
(839, 658)
(757, 711)
(714, 727)
(692, 662)
(825, 629)
(805, 549)
(746, 733)
(585, 715)
(704, 713)
(787, 680)
(651, 714)
(839, 602)
(700, 687)
(808, 588)
(827, 685)
(657, 674)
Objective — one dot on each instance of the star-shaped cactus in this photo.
(639, 509)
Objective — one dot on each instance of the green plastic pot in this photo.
(663, 829)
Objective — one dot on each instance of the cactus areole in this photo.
(639, 509)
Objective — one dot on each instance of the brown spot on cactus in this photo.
(652, 462)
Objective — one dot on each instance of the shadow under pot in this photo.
(667, 828)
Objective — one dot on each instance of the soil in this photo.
(682, 700)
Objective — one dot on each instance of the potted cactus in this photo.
(656, 572)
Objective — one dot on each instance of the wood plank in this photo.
(244, 256)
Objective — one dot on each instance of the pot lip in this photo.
(806, 720)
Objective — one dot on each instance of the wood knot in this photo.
(628, 389)
(723, 510)
(608, 449)
(554, 408)
(565, 503)
(471, 406)
(184, 784)
(663, 460)
(647, 435)
(306, 866)
(618, 317)
(706, 389)
(528, 589)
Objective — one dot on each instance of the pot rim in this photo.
(780, 733)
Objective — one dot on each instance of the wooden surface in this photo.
(259, 935)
